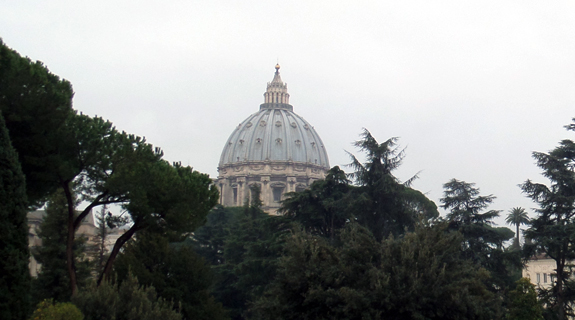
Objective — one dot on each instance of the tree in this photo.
(247, 262)
(14, 253)
(321, 209)
(100, 168)
(378, 201)
(420, 276)
(53, 281)
(383, 203)
(105, 166)
(553, 230)
(36, 106)
(523, 304)
(176, 272)
(483, 242)
(209, 239)
(167, 199)
(517, 216)
(127, 301)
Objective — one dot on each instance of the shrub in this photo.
(48, 310)
(128, 301)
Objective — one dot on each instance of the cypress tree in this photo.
(14, 252)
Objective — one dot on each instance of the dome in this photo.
(273, 148)
(275, 134)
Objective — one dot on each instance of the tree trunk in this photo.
(73, 225)
(518, 244)
(560, 299)
(117, 246)
(70, 241)
(91, 206)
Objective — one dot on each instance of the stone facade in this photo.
(540, 270)
(273, 148)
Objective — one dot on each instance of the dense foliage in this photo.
(483, 244)
(421, 276)
(523, 304)
(128, 301)
(175, 270)
(244, 255)
(14, 253)
(377, 201)
(381, 202)
(36, 105)
(323, 208)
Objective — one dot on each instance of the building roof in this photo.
(275, 133)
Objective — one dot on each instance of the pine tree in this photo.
(552, 231)
(382, 202)
(35, 104)
(468, 214)
(14, 252)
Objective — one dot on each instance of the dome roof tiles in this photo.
(275, 134)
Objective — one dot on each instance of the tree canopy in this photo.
(553, 230)
(377, 200)
(483, 243)
(36, 105)
(322, 208)
(126, 301)
(177, 273)
(421, 276)
(14, 253)
(383, 203)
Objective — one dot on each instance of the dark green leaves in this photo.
(14, 253)
(36, 105)
(420, 276)
(553, 231)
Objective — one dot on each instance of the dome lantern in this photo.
(276, 95)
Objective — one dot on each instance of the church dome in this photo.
(275, 133)
(274, 149)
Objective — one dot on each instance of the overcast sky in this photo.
(471, 88)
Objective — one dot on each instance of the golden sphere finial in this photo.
(277, 67)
